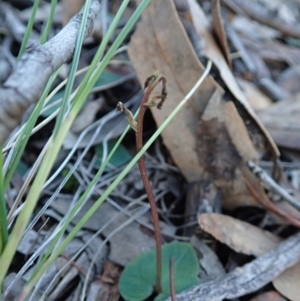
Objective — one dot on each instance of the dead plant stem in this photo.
(142, 167)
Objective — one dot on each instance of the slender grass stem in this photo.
(29, 28)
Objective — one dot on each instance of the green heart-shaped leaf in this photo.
(138, 278)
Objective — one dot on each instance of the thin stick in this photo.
(270, 183)
(248, 278)
(269, 205)
(261, 15)
(172, 286)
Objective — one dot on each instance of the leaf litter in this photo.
(245, 110)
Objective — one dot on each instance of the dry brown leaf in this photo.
(248, 239)
(240, 236)
(256, 98)
(224, 147)
(288, 283)
(212, 51)
(69, 8)
(111, 273)
(219, 30)
(161, 43)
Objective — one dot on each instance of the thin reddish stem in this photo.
(143, 172)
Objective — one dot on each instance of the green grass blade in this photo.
(51, 154)
(81, 200)
(102, 47)
(96, 75)
(82, 94)
(74, 66)
(3, 213)
(49, 22)
(26, 132)
(29, 27)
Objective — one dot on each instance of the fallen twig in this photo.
(13, 23)
(256, 66)
(27, 82)
(259, 13)
(248, 278)
(270, 183)
(271, 206)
